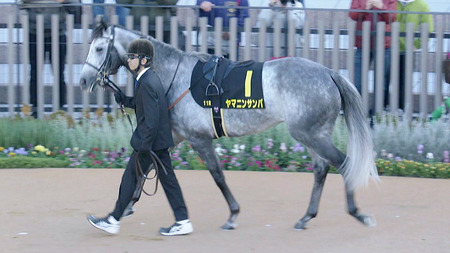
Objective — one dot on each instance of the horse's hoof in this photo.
(369, 221)
(229, 226)
(300, 226)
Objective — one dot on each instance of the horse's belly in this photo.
(246, 122)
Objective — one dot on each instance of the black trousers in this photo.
(34, 70)
(130, 189)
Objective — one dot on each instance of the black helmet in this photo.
(141, 47)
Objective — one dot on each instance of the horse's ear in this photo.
(100, 21)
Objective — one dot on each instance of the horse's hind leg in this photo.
(321, 168)
(206, 152)
(353, 210)
(323, 147)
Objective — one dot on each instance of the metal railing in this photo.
(327, 37)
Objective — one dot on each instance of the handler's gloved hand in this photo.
(119, 97)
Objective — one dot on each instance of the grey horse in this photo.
(304, 94)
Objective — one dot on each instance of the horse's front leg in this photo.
(353, 210)
(205, 150)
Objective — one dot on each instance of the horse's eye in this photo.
(99, 49)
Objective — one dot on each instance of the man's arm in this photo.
(151, 114)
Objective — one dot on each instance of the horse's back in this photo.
(299, 84)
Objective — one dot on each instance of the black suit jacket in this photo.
(153, 130)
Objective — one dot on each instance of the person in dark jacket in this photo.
(152, 136)
(47, 8)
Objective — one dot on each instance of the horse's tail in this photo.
(359, 164)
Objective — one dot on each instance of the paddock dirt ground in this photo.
(44, 210)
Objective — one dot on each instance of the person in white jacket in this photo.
(291, 11)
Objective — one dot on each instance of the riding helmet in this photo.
(141, 47)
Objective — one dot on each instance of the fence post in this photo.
(335, 53)
(365, 65)
(159, 35)
(395, 50)
(276, 36)
(55, 62)
(130, 84)
(351, 50)
(174, 31)
(262, 41)
(438, 65)
(218, 24)
(144, 25)
(292, 46)
(11, 92)
(306, 32)
(233, 39)
(409, 58)
(26, 60)
(423, 71)
(203, 21)
(40, 65)
(70, 53)
(321, 53)
(84, 26)
(379, 68)
(188, 37)
(248, 40)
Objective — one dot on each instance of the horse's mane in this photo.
(98, 31)
(201, 56)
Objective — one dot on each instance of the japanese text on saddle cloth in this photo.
(222, 84)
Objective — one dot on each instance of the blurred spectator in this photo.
(139, 9)
(183, 13)
(268, 16)
(404, 19)
(360, 17)
(121, 11)
(47, 8)
(207, 10)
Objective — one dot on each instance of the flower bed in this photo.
(404, 148)
(285, 158)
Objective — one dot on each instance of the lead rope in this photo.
(140, 172)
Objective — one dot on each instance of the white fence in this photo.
(327, 37)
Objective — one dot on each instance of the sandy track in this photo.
(44, 210)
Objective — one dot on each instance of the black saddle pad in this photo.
(240, 82)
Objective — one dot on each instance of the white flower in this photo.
(235, 149)
(430, 156)
(219, 151)
(242, 147)
(390, 156)
(283, 147)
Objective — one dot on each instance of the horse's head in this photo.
(105, 57)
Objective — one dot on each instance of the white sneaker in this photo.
(108, 224)
(183, 227)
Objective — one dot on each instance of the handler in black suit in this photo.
(152, 134)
